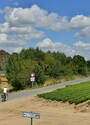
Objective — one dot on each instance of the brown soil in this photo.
(51, 112)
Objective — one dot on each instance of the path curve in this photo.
(34, 92)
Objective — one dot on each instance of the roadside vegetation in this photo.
(88, 103)
(1, 91)
(49, 68)
(73, 93)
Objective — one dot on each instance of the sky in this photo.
(55, 25)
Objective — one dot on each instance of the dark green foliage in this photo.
(60, 57)
(79, 65)
(40, 77)
(1, 91)
(20, 66)
(69, 60)
(73, 93)
(53, 69)
(33, 54)
(88, 66)
(89, 103)
(44, 65)
(18, 71)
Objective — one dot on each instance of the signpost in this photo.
(32, 78)
(31, 115)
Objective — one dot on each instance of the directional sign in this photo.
(32, 79)
(31, 114)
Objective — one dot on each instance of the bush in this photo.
(53, 69)
(39, 74)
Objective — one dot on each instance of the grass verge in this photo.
(1, 91)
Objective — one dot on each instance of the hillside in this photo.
(54, 66)
(3, 59)
(45, 65)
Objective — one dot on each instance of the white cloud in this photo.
(23, 24)
(10, 42)
(78, 48)
(25, 33)
(38, 17)
(16, 3)
(82, 44)
(17, 35)
(79, 22)
(1, 11)
(85, 33)
(3, 37)
(13, 50)
(17, 50)
(83, 49)
(35, 16)
(4, 27)
(48, 44)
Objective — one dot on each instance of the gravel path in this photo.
(34, 92)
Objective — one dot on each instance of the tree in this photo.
(39, 74)
(79, 65)
(18, 71)
(88, 66)
(61, 57)
(53, 69)
(44, 65)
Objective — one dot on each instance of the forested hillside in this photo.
(45, 65)
(3, 59)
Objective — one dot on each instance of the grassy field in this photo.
(72, 93)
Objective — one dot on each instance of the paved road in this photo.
(34, 92)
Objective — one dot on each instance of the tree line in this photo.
(45, 65)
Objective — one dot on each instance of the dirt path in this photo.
(51, 113)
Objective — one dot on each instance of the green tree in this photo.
(88, 66)
(61, 57)
(79, 65)
(39, 74)
(53, 69)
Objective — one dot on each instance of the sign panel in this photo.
(31, 115)
(32, 79)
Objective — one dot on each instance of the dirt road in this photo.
(51, 112)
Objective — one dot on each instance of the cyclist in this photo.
(5, 93)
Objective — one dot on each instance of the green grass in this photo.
(72, 93)
(1, 91)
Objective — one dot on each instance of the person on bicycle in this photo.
(5, 92)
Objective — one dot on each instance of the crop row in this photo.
(73, 93)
